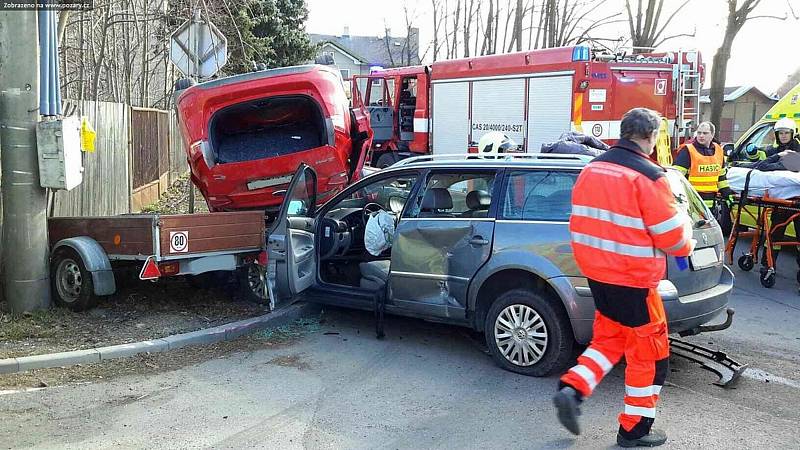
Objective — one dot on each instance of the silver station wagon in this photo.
(482, 243)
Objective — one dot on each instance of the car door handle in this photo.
(478, 240)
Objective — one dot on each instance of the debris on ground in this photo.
(176, 199)
(152, 363)
(139, 311)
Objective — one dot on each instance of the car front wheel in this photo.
(528, 334)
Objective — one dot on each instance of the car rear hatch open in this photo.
(247, 134)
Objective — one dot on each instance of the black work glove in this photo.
(727, 195)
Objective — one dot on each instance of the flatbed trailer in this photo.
(86, 252)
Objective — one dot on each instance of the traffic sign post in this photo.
(198, 49)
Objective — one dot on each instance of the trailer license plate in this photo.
(704, 257)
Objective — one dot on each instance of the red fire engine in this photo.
(533, 97)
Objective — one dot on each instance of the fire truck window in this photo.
(538, 195)
(389, 99)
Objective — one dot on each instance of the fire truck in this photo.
(533, 97)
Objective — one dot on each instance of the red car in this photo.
(246, 135)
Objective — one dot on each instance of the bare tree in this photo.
(468, 6)
(488, 35)
(568, 23)
(737, 16)
(437, 23)
(516, 35)
(646, 31)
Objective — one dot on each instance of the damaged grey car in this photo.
(481, 243)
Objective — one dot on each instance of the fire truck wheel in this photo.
(251, 283)
(528, 334)
(386, 160)
(70, 281)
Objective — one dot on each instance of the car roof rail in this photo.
(502, 157)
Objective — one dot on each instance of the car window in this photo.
(455, 195)
(538, 195)
(762, 137)
(686, 197)
(390, 193)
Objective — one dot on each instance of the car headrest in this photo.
(396, 204)
(478, 200)
(437, 198)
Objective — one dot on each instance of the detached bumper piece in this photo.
(718, 362)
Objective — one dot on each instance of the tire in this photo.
(71, 283)
(386, 160)
(767, 280)
(251, 287)
(556, 347)
(746, 262)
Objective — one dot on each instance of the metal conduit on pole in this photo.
(26, 283)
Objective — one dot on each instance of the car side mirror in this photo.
(727, 149)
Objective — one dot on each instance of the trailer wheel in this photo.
(71, 283)
(251, 283)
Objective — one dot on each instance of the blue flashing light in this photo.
(580, 53)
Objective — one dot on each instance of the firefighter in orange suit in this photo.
(624, 218)
(703, 162)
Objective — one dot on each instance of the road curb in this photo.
(211, 335)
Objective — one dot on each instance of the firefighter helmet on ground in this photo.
(495, 142)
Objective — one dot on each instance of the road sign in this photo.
(198, 48)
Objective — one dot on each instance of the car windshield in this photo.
(686, 197)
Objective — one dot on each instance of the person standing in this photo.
(702, 161)
(624, 218)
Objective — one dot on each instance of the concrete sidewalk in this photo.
(219, 333)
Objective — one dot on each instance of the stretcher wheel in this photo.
(746, 263)
(768, 280)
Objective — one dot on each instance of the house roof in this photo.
(372, 50)
(731, 93)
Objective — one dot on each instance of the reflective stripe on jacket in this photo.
(705, 171)
(624, 219)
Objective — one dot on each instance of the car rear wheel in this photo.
(528, 334)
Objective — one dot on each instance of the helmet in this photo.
(785, 124)
(495, 142)
(751, 151)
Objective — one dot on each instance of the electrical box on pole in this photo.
(60, 157)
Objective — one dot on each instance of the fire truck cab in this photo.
(533, 97)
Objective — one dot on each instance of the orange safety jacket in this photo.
(624, 218)
(705, 171)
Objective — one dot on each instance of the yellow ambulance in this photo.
(762, 135)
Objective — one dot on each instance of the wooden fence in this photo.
(138, 155)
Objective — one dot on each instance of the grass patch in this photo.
(39, 324)
(290, 332)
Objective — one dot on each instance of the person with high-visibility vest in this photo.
(624, 219)
(702, 161)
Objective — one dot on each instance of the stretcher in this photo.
(752, 219)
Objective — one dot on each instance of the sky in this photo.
(764, 54)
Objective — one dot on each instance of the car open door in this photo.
(292, 265)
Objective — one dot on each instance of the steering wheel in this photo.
(369, 209)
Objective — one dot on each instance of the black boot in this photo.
(567, 402)
(652, 439)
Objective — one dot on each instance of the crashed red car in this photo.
(246, 135)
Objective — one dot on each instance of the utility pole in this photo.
(26, 281)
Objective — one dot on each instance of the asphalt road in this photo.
(424, 386)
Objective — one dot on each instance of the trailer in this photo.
(533, 97)
(90, 254)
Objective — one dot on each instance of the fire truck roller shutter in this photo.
(499, 105)
(450, 118)
(549, 110)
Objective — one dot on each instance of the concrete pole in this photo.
(26, 281)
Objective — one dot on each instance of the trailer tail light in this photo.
(169, 269)
(263, 259)
(150, 270)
